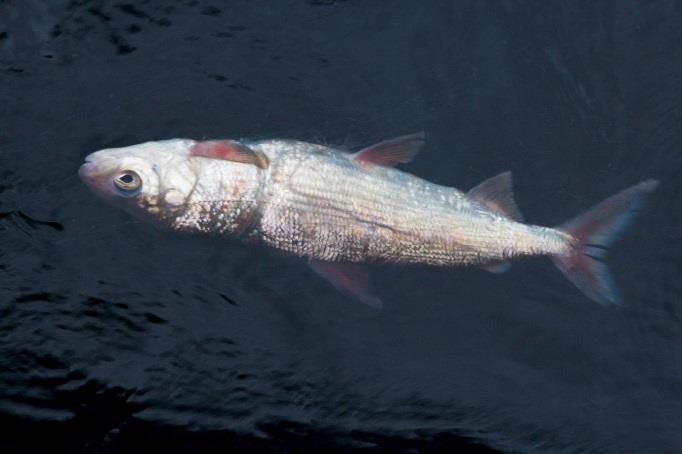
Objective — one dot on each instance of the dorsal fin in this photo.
(229, 150)
(391, 152)
(350, 278)
(496, 194)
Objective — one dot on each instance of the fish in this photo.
(341, 211)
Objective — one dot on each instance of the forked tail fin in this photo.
(594, 231)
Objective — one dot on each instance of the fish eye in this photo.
(128, 182)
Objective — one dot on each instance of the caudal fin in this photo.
(594, 231)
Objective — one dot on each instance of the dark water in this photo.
(114, 335)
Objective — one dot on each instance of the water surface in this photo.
(115, 335)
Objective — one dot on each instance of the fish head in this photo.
(151, 181)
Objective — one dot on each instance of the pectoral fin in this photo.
(497, 195)
(391, 152)
(349, 278)
(229, 150)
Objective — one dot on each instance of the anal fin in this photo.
(348, 278)
(497, 195)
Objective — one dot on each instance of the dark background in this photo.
(115, 335)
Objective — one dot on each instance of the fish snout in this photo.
(86, 171)
(89, 170)
(95, 173)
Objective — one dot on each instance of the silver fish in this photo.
(341, 210)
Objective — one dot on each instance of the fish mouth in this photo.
(93, 173)
(87, 171)
(91, 168)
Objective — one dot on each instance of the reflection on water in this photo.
(114, 334)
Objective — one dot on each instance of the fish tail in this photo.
(592, 233)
